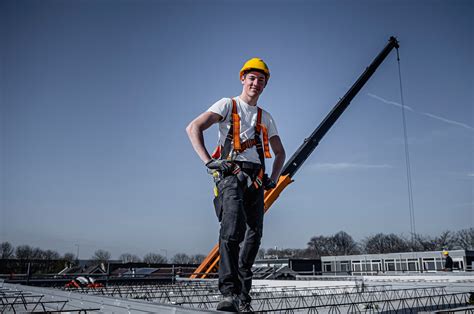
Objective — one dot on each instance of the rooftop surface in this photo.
(424, 293)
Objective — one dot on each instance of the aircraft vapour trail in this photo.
(430, 115)
(396, 104)
(448, 121)
(347, 165)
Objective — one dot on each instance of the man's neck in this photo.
(252, 101)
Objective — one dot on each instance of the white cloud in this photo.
(430, 115)
(346, 166)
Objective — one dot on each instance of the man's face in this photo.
(254, 82)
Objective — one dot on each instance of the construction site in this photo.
(405, 282)
(316, 294)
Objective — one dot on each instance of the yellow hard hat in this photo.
(445, 253)
(255, 64)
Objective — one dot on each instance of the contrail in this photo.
(347, 165)
(396, 104)
(422, 113)
(448, 121)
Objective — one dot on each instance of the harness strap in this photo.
(233, 136)
(235, 126)
(266, 147)
(259, 179)
(247, 144)
(258, 126)
(226, 148)
(262, 128)
(232, 140)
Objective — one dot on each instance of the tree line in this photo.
(26, 252)
(341, 243)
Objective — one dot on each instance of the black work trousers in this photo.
(240, 234)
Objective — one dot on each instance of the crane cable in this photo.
(407, 157)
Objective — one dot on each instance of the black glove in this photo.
(268, 183)
(220, 165)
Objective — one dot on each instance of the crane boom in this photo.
(210, 263)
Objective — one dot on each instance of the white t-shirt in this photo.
(248, 120)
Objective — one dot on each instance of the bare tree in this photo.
(197, 259)
(445, 240)
(261, 253)
(181, 258)
(340, 243)
(274, 253)
(129, 258)
(319, 246)
(385, 243)
(153, 258)
(300, 253)
(38, 254)
(69, 257)
(101, 256)
(464, 239)
(421, 243)
(6, 250)
(283, 253)
(343, 244)
(24, 252)
(51, 255)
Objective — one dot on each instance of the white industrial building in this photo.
(396, 263)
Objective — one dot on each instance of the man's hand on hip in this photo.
(220, 165)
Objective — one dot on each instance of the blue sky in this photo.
(96, 95)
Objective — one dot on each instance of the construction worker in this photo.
(245, 134)
(448, 264)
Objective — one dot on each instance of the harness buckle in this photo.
(236, 169)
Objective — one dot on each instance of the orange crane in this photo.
(210, 264)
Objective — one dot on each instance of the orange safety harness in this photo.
(233, 140)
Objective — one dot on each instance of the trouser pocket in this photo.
(224, 187)
(218, 206)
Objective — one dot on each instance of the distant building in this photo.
(395, 263)
(141, 272)
(92, 269)
(285, 268)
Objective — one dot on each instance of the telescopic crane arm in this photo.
(310, 143)
(210, 263)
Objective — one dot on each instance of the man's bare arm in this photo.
(280, 155)
(195, 131)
